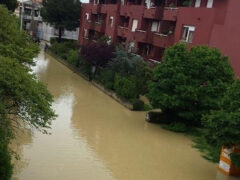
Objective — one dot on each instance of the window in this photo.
(87, 16)
(197, 3)
(109, 40)
(210, 4)
(188, 33)
(131, 46)
(96, 2)
(148, 3)
(85, 33)
(122, 2)
(111, 21)
(134, 25)
(155, 26)
(99, 19)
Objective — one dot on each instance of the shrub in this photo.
(106, 77)
(83, 65)
(176, 127)
(125, 87)
(147, 107)
(126, 64)
(62, 49)
(138, 105)
(72, 57)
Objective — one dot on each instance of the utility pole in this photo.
(32, 19)
(21, 15)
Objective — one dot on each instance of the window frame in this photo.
(190, 29)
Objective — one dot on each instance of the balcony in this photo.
(124, 10)
(142, 36)
(162, 40)
(105, 8)
(96, 9)
(89, 25)
(170, 14)
(122, 31)
(99, 26)
(153, 13)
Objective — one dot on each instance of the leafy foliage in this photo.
(138, 104)
(125, 87)
(72, 57)
(62, 14)
(13, 43)
(223, 125)
(63, 49)
(98, 54)
(188, 84)
(176, 127)
(126, 64)
(22, 96)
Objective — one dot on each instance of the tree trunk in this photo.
(59, 34)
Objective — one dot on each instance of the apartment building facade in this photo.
(32, 22)
(148, 27)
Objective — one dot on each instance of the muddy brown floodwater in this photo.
(95, 138)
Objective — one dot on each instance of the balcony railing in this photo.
(141, 36)
(104, 8)
(99, 26)
(153, 13)
(96, 8)
(122, 31)
(170, 14)
(162, 40)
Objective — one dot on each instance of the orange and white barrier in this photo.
(225, 164)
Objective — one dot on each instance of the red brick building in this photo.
(147, 27)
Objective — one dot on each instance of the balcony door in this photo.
(210, 4)
(134, 25)
(197, 3)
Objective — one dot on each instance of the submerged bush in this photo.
(176, 127)
(126, 87)
(106, 77)
(138, 104)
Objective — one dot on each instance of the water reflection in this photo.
(96, 138)
(41, 64)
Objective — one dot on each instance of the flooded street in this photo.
(95, 138)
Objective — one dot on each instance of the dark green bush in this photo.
(5, 162)
(235, 157)
(106, 77)
(176, 127)
(138, 105)
(84, 66)
(126, 87)
(62, 49)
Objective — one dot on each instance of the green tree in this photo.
(222, 126)
(62, 14)
(10, 4)
(188, 84)
(22, 97)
